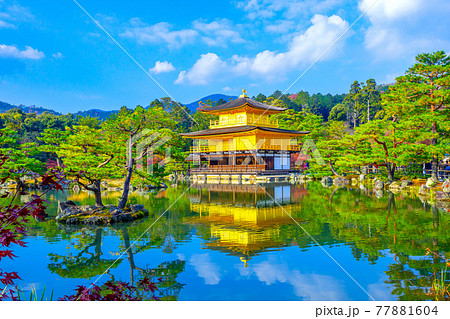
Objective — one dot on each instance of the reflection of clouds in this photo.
(181, 257)
(270, 273)
(379, 290)
(206, 269)
(317, 287)
(31, 286)
(307, 286)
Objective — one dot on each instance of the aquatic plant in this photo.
(440, 288)
(34, 296)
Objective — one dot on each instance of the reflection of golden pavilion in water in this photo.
(244, 220)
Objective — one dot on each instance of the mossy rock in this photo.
(92, 215)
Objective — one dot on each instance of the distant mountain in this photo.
(27, 109)
(100, 114)
(103, 115)
(213, 97)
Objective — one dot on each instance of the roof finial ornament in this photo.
(243, 93)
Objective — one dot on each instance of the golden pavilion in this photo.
(244, 220)
(244, 140)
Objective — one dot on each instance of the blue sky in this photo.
(53, 55)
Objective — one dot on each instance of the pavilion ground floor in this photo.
(243, 167)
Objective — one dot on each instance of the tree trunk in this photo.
(126, 185)
(434, 161)
(98, 243)
(128, 249)
(98, 193)
(332, 168)
(391, 202)
(434, 168)
(368, 110)
(391, 171)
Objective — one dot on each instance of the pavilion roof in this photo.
(240, 129)
(241, 101)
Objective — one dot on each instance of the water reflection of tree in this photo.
(392, 225)
(85, 264)
(168, 287)
(374, 227)
(89, 261)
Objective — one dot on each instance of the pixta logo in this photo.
(309, 145)
(146, 144)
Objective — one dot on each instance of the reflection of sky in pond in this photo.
(236, 244)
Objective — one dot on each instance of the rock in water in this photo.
(64, 205)
(406, 183)
(431, 182)
(442, 196)
(340, 181)
(424, 190)
(327, 181)
(446, 186)
(136, 208)
(378, 184)
(379, 193)
(394, 185)
(93, 215)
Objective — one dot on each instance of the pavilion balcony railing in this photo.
(230, 168)
(226, 148)
(244, 120)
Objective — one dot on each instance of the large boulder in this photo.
(395, 186)
(446, 186)
(431, 182)
(442, 196)
(378, 184)
(137, 208)
(64, 205)
(340, 181)
(406, 183)
(379, 193)
(327, 181)
(424, 190)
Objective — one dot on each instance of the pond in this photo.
(247, 242)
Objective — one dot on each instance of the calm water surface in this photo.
(234, 242)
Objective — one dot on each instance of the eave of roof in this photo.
(241, 129)
(240, 102)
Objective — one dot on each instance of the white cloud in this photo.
(264, 9)
(158, 33)
(10, 51)
(6, 25)
(256, 9)
(218, 33)
(304, 48)
(227, 89)
(405, 27)
(203, 71)
(10, 14)
(162, 67)
(58, 55)
(215, 33)
(206, 269)
(281, 26)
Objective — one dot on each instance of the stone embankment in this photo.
(429, 189)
